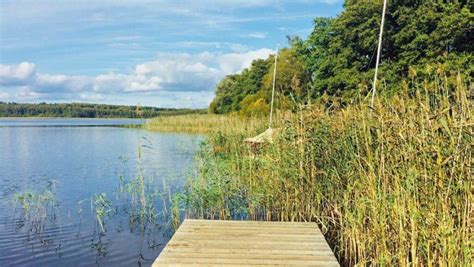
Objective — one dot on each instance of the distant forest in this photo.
(82, 110)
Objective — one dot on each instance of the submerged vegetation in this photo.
(388, 185)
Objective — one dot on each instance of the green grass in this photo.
(388, 185)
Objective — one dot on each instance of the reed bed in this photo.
(389, 184)
(204, 124)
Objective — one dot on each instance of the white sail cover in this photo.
(265, 137)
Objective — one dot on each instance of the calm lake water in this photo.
(67, 163)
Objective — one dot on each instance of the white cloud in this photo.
(167, 73)
(256, 35)
(4, 96)
(20, 74)
(235, 62)
(92, 97)
(52, 83)
(144, 84)
(239, 47)
(109, 82)
(27, 94)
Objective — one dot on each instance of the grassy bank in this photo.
(388, 185)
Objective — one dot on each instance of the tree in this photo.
(291, 76)
(82, 110)
(338, 58)
(235, 87)
(340, 52)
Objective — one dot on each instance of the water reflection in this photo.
(88, 195)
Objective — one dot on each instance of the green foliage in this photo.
(234, 88)
(340, 52)
(291, 77)
(254, 105)
(225, 92)
(249, 93)
(338, 58)
(81, 110)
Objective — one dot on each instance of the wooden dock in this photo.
(218, 243)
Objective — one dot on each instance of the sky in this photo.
(152, 52)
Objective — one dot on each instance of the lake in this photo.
(84, 192)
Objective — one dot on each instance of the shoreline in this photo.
(108, 118)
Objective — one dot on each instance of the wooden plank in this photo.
(247, 262)
(213, 242)
(178, 244)
(248, 250)
(248, 255)
(248, 223)
(252, 230)
(247, 239)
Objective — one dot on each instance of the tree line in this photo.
(83, 110)
(336, 62)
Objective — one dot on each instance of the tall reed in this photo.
(388, 185)
(203, 123)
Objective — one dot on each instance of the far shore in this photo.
(111, 118)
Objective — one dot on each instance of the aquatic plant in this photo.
(142, 200)
(147, 205)
(102, 207)
(37, 207)
(389, 184)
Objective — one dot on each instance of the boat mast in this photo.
(374, 86)
(273, 89)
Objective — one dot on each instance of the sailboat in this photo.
(268, 135)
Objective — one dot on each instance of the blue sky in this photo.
(157, 53)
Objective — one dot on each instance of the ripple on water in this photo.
(27, 247)
(79, 163)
